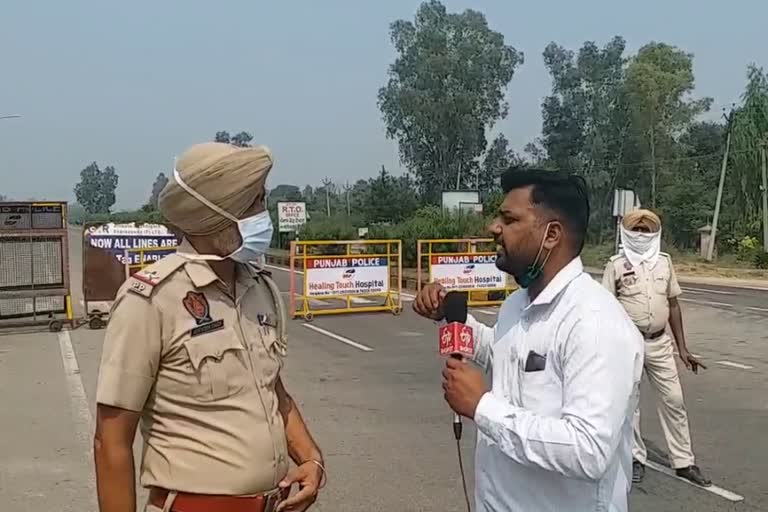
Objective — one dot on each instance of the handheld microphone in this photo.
(456, 338)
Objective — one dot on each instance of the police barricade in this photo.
(466, 265)
(355, 276)
(34, 264)
(111, 253)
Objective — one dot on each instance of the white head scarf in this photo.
(641, 247)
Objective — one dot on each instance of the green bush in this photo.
(760, 260)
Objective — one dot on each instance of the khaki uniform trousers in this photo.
(661, 369)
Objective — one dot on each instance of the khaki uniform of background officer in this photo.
(644, 281)
(194, 349)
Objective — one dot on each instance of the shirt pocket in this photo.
(219, 363)
(540, 392)
(629, 287)
(270, 357)
(660, 285)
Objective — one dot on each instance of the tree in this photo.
(96, 190)
(389, 198)
(242, 139)
(659, 80)
(689, 192)
(498, 158)
(160, 182)
(445, 90)
(585, 119)
(750, 139)
(284, 193)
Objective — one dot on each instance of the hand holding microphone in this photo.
(429, 301)
(463, 384)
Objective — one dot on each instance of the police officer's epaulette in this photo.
(615, 257)
(145, 281)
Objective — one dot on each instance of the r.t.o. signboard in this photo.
(291, 216)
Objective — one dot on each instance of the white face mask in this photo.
(641, 247)
(255, 231)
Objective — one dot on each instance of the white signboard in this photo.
(467, 272)
(624, 201)
(452, 200)
(346, 275)
(291, 216)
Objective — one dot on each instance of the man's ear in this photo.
(555, 235)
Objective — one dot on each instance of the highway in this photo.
(369, 387)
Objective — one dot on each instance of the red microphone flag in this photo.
(457, 339)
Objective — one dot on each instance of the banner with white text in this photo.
(346, 275)
(116, 238)
(467, 272)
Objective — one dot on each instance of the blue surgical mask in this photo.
(255, 231)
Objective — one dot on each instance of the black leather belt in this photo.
(653, 335)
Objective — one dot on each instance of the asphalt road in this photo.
(369, 387)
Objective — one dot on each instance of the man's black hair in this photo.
(565, 194)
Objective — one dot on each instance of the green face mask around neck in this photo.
(535, 269)
(531, 274)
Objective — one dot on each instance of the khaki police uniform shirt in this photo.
(201, 367)
(643, 291)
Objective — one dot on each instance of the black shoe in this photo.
(694, 474)
(638, 472)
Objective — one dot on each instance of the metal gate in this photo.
(34, 264)
(345, 276)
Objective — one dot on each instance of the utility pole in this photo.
(349, 206)
(763, 146)
(327, 185)
(718, 201)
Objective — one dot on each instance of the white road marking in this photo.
(704, 290)
(735, 365)
(342, 339)
(719, 491)
(81, 414)
(708, 303)
(762, 310)
(488, 312)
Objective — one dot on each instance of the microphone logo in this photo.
(465, 336)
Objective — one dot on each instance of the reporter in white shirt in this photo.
(555, 429)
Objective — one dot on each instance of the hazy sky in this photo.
(132, 84)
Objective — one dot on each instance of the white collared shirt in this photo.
(559, 439)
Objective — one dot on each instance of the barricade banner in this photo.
(112, 252)
(346, 276)
(467, 265)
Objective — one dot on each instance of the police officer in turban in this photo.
(193, 351)
(644, 281)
